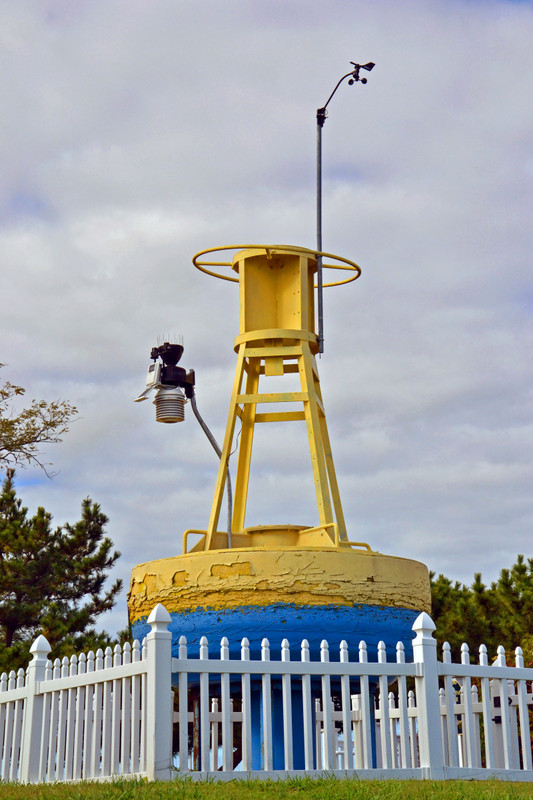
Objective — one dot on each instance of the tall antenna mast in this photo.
(321, 115)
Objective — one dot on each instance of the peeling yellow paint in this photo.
(227, 570)
(326, 576)
(179, 578)
(138, 588)
(150, 582)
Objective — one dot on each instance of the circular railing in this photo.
(271, 250)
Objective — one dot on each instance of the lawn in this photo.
(298, 789)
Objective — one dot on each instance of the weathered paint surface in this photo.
(280, 621)
(247, 578)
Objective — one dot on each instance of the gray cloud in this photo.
(134, 136)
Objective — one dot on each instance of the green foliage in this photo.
(23, 432)
(51, 579)
(499, 614)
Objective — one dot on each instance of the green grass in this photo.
(292, 788)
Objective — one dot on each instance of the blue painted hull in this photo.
(284, 621)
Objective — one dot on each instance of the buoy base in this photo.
(297, 593)
(370, 624)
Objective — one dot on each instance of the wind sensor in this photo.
(321, 114)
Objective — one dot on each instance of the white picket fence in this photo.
(457, 721)
(90, 717)
(109, 715)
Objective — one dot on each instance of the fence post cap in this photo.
(424, 625)
(159, 617)
(40, 648)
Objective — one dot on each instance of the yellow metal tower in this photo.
(276, 337)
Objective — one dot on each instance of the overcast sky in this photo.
(135, 133)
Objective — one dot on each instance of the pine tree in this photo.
(51, 578)
(501, 614)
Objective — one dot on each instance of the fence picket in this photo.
(12, 731)
(3, 724)
(107, 716)
(79, 721)
(116, 702)
(135, 731)
(96, 746)
(266, 699)
(287, 707)
(183, 707)
(125, 726)
(467, 716)
(346, 710)
(3, 711)
(475, 726)
(307, 709)
(404, 754)
(318, 734)
(327, 727)
(427, 698)
(52, 773)
(45, 732)
(33, 701)
(62, 724)
(357, 731)
(365, 710)
(89, 719)
(521, 691)
(451, 719)
(412, 717)
(246, 708)
(227, 738)
(8, 759)
(487, 711)
(143, 744)
(215, 736)
(17, 729)
(70, 721)
(384, 726)
(504, 711)
(204, 706)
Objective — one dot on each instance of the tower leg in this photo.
(332, 477)
(252, 367)
(226, 450)
(316, 445)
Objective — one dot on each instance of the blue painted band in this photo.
(371, 624)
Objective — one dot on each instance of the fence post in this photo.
(33, 713)
(427, 698)
(159, 696)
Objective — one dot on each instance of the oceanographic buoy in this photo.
(293, 580)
